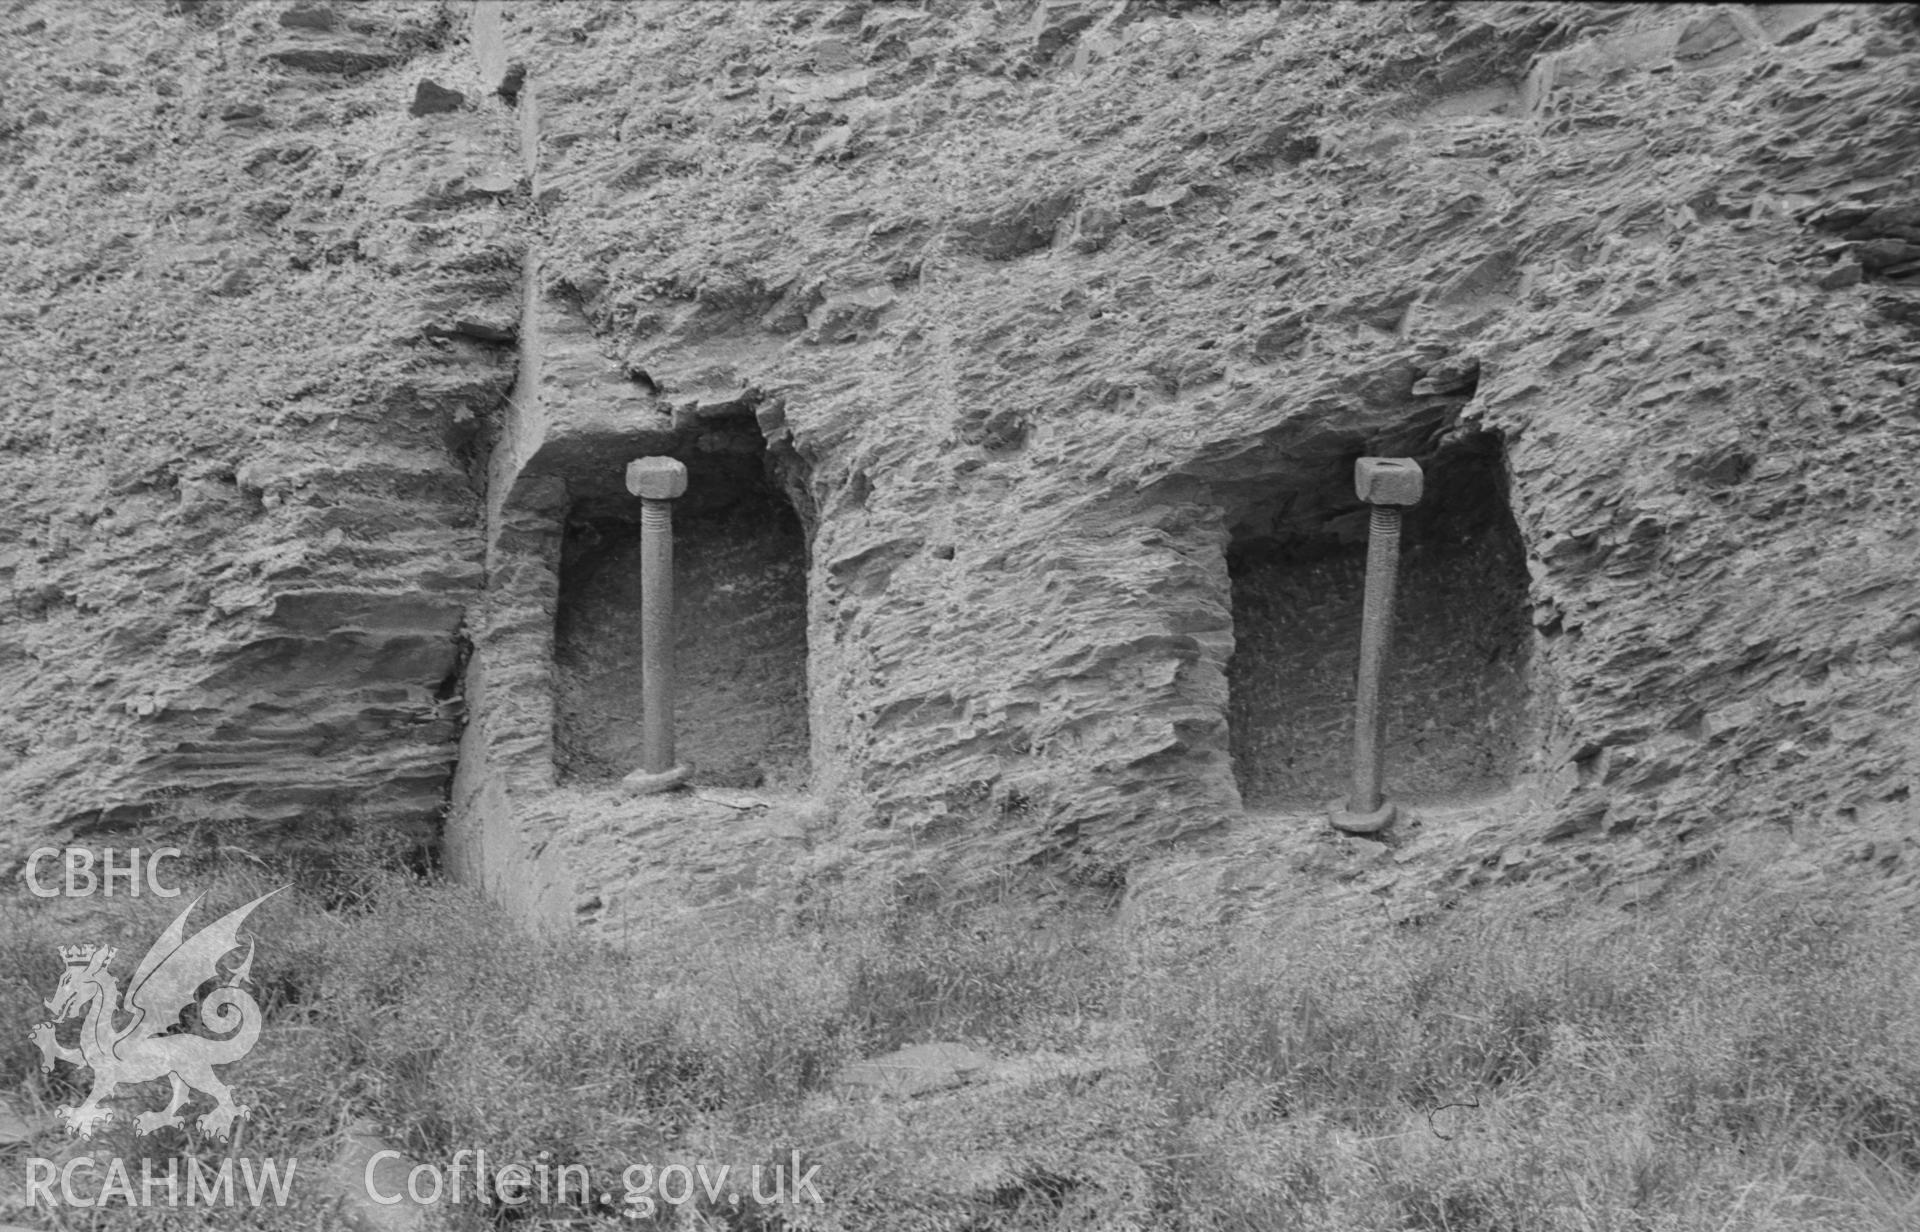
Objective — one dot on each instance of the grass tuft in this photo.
(1734, 1060)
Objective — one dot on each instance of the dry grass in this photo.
(1735, 1061)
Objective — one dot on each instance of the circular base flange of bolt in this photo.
(1361, 823)
(640, 783)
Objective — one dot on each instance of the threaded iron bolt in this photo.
(1388, 485)
(657, 482)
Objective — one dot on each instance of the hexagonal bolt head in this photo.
(1387, 481)
(656, 478)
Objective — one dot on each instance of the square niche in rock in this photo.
(1456, 690)
(740, 618)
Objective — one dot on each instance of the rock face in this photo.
(1056, 329)
(241, 512)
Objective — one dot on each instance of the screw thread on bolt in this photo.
(656, 636)
(1376, 634)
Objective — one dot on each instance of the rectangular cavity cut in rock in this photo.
(740, 617)
(1456, 689)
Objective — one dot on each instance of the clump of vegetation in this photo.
(1736, 1060)
(1732, 1061)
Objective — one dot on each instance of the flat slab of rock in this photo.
(432, 98)
(740, 800)
(332, 53)
(916, 1070)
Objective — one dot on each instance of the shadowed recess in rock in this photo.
(1456, 684)
(740, 614)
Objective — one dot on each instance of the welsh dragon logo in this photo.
(153, 1043)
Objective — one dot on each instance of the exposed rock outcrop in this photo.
(241, 512)
(1045, 320)
(1060, 304)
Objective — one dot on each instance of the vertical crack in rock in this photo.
(553, 682)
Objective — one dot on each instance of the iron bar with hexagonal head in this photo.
(657, 482)
(1388, 485)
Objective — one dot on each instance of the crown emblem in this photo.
(81, 955)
